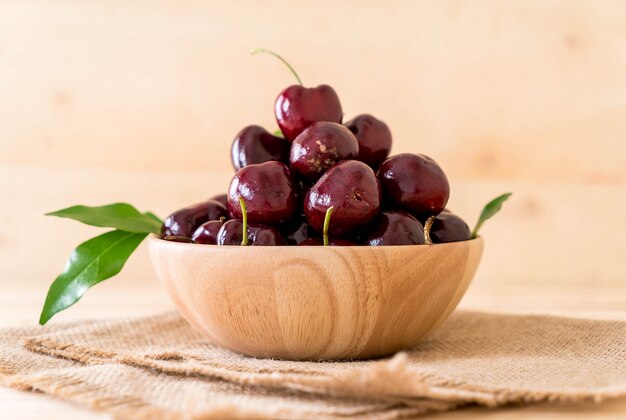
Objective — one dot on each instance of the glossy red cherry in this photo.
(448, 227)
(319, 147)
(184, 221)
(395, 228)
(297, 107)
(299, 230)
(206, 233)
(266, 236)
(332, 242)
(268, 191)
(254, 144)
(180, 239)
(231, 233)
(374, 138)
(414, 183)
(351, 188)
(222, 198)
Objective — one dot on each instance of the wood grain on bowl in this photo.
(315, 302)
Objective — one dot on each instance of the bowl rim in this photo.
(154, 238)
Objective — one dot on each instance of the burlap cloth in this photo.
(158, 367)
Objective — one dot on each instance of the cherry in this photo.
(206, 233)
(331, 242)
(299, 230)
(373, 136)
(448, 227)
(297, 107)
(351, 188)
(268, 191)
(319, 147)
(231, 233)
(184, 221)
(414, 183)
(222, 198)
(265, 236)
(254, 144)
(180, 239)
(395, 228)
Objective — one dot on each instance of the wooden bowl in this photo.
(313, 302)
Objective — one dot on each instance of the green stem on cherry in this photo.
(244, 221)
(263, 50)
(329, 212)
(427, 227)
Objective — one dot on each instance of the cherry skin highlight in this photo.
(268, 191)
(255, 144)
(395, 228)
(297, 107)
(184, 221)
(352, 189)
(319, 147)
(222, 198)
(206, 233)
(331, 242)
(414, 183)
(374, 138)
(231, 233)
(448, 227)
(299, 230)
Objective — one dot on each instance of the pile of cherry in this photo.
(322, 182)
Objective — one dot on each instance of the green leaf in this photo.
(489, 211)
(91, 262)
(121, 216)
(278, 133)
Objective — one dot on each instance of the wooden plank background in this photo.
(139, 100)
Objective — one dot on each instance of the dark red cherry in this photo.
(268, 191)
(265, 236)
(180, 239)
(448, 227)
(374, 138)
(414, 183)
(222, 198)
(352, 189)
(184, 221)
(331, 242)
(231, 233)
(395, 228)
(299, 230)
(319, 147)
(255, 144)
(206, 233)
(297, 107)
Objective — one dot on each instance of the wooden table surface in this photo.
(117, 299)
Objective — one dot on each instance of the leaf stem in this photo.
(427, 227)
(329, 212)
(490, 209)
(263, 50)
(244, 221)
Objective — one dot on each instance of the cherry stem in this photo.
(329, 212)
(263, 50)
(244, 222)
(427, 226)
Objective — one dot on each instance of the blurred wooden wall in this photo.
(139, 100)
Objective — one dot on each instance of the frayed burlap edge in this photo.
(410, 385)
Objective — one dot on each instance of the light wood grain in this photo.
(314, 303)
